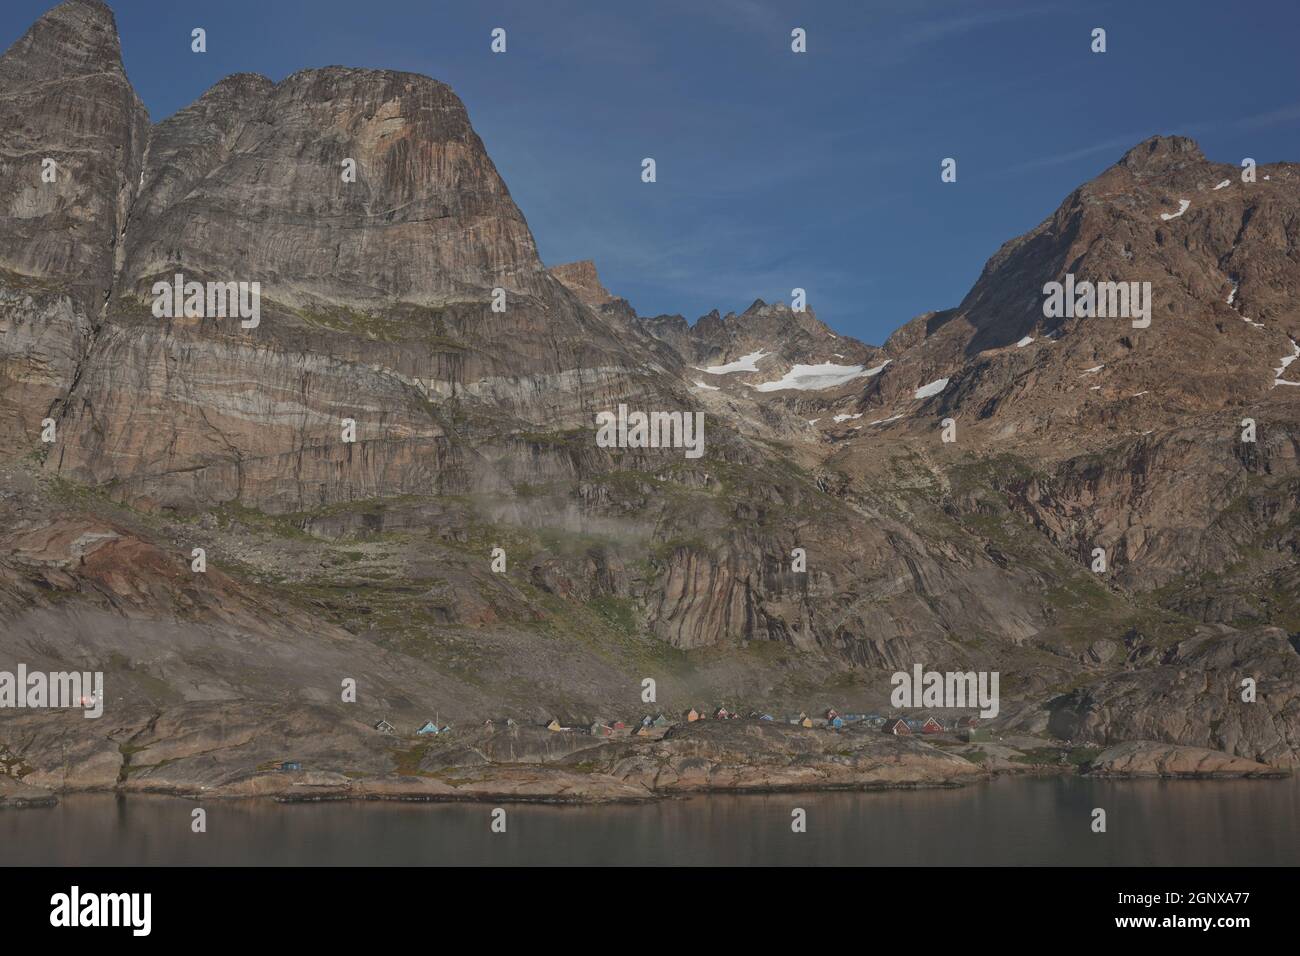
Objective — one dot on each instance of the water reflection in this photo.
(1009, 821)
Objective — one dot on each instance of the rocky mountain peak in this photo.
(400, 199)
(75, 132)
(581, 279)
(75, 38)
(1161, 154)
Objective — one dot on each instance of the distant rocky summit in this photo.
(392, 483)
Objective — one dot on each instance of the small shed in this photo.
(291, 765)
(384, 727)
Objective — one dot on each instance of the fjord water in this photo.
(1008, 821)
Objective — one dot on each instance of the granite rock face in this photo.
(74, 143)
(250, 183)
(64, 96)
(1143, 758)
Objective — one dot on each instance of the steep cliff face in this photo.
(376, 298)
(64, 96)
(74, 141)
(253, 182)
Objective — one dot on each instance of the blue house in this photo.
(836, 722)
(291, 765)
(429, 728)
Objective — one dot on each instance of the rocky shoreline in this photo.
(532, 765)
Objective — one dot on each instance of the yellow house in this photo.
(692, 715)
(554, 725)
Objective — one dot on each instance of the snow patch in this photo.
(1183, 206)
(1138, 394)
(1232, 296)
(825, 375)
(846, 418)
(1286, 360)
(1095, 368)
(1025, 341)
(1226, 182)
(932, 389)
(711, 388)
(885, 421)
(746, 363)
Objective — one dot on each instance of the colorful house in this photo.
(722, 714)
(692, 715)
(428, 728)
(600, 730)
(835, 723)
(384, 727)
(931, 725)
(291, 765)
(661, 721)
(898, 727)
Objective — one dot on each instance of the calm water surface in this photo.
(1008, 821)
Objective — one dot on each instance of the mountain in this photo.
(412, 302)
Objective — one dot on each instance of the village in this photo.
(655, 725)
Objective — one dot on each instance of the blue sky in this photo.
(776, 170)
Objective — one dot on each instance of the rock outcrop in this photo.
(1142, 758)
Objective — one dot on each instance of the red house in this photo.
(931, 726)
(898, 727)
